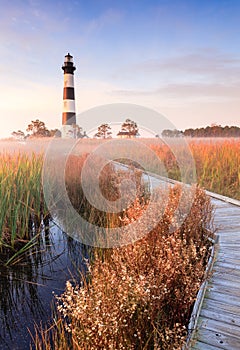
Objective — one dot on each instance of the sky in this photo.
(179, 58)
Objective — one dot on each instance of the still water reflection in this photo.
(26, 288)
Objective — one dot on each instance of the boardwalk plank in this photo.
(229, 242)
(220, 327)
(225, 230)
(204, 346)
(230, 260)
(235, 233)
(220, 280)
(229, 246)
(209, 304)
(221, 341)
(213, 287)
(231, 210)
(224, 219)
(226, 270)
(228, 232)
(229, 299)
(224, 225)
(233, 258)
(223, 316)
(225, 214)
(226, 222)
(227, 264)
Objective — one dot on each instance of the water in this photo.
(26, 289)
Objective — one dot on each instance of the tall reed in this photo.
(21, 198)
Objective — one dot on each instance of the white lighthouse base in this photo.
(68, 132)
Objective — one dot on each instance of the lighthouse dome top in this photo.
(68, 58)
(68, 66)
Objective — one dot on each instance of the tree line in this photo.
(129, 128)
(209, 131)
(37, 128)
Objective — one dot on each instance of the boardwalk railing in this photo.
(192, 326)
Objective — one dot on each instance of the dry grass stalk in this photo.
(138, 296)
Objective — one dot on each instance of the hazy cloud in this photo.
(206, 73)
(186, 91)
(206, 62)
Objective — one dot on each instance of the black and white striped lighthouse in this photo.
(69, 113)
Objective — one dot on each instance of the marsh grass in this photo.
(22, 207)
(217, 163)
(218, 166)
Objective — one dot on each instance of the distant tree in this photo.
(172, 133)
(19, 135)
(188, 132)
(130, 128)
(38, 128)
(84, 135)
(76, 132)
(104, 132)
(54, 133)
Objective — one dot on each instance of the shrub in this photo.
(138, 296)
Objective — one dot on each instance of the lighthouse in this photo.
(69, 113)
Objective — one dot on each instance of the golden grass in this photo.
(217, 164)
(138, 296)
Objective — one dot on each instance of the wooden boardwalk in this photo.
(218, 323)
(215, 322)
